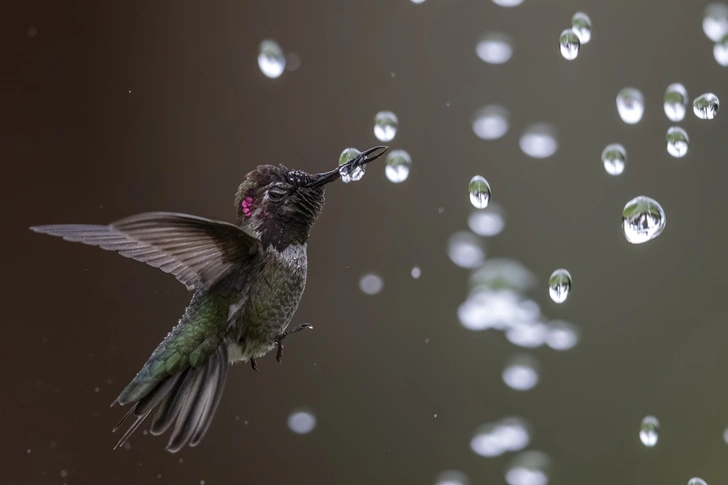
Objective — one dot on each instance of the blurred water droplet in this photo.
(416, 272)
(528, 334)
(569, 44)
(630, 105)
(486, 308)
(696, 481)
(539, 140)
(494, 439)
(559, 285)
(642, 220)
(676, 101)
(417, 1)
(582, 27)
(385, 126)
(715, 21)
(452, 477)
(293, 61)
(479, 190)
(705, 106)
(677, 141)
(490, 122)
(503, 273)
(301, 421)
(488, 221)
(725, 435)
(561, 335)
(494, 48)
(614, 158)
(720, 51)
(32, 31)
(528, 468)
(465, 250)
(521, 372)
(371, 284)
(271, 60)
(508, 3)
(96, 389)
(64, 473)
(648, 431)
(357, 173)
(397, 166)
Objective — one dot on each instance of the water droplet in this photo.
(696, 481)
(452, 477)
(96, 389)
(725, 436)
(397, 166)
(418, 1)
(569, 44)
(494, 48)
(488, 221)
(676, 101)
(385, 126)
(494, 439)
(521, 372)
(371, 284)
(582, 27)
(357, 173)
(486, 308)
(559, 285)
(64, 473)
(715, 21)
(508, 3)
(561, 335)
(271, 60)
(630, 105)
(539, 141)
(614, 158)
(648, 431)
(301, 422)
(490, 122)
(479, 190)
(293, 61)
(416, 272)
(528, 468)
(705, 106)
(32, 31)
(464, 249)
(677, 141)
(528, 334)
(720, 51)
(642, 220)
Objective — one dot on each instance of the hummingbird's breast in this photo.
(272, 298)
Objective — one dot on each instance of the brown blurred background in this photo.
(114, 108)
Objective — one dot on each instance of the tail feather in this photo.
(209, 412)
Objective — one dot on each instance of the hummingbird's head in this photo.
(280, 205)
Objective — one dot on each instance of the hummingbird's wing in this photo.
(196, 250)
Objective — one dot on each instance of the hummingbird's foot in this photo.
(279, 339)
(253, 364)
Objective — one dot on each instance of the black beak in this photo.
(366, 156)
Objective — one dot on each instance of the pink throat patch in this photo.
(247, 206)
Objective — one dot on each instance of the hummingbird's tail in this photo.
(188, 399)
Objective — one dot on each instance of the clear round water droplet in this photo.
(630, 105)
(705, 106)
(301, 422)
(649, 431)
(521, 372)
(271, 60)
(487, 222)
(561, 335)
(569, 44)
(614, 158)
(465, 250)
(348, 175)
(676, 102)
(720, 51)
(494, 48)
(715, 21)
(385, 126)
(452, 477)
(479, 190)
(490, 122)
(529, 468)
(397, 166)
(642, 220)
(582, 27)
(508, 3)
(559, 285)
(696, 481)
(677, 141)
(539, 140)
(371, 284)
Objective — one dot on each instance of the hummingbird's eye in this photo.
(276, 193)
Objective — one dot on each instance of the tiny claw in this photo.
(253, 364)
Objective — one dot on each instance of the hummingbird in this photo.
(247, 280)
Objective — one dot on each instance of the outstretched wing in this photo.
(197, 251)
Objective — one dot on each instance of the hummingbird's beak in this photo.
(365, 157)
